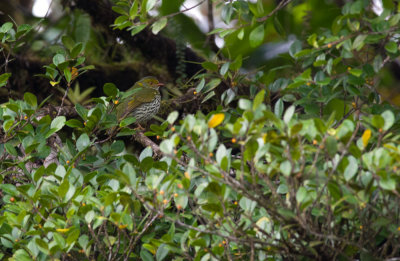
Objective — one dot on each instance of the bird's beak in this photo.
(160, 84)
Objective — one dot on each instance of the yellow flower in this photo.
(216, 120)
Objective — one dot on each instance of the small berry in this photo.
(329, 45)
(116, 102)
(68, 161)
(349, 68)
(179, 207)
(173, 129)
(12, 199)
(157, 137)
(235, 203)
(165, 201)
(180, 186)
(26, 117)
(233, 140)
(194, 92)
(162, 192)
(188, 138)
(314, 142)
(176, 195)
(211, 154)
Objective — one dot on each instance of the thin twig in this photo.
(63, 98)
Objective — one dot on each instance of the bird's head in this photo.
(150, 82)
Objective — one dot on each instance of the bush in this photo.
(311, 175)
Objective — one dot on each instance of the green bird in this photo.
(143, 101)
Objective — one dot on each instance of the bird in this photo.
(143, 103)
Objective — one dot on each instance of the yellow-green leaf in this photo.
(62, 230)
(216, 120)
(366, 136)
(54, 83)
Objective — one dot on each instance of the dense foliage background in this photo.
(277, 138)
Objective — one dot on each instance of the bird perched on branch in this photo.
(143, 101)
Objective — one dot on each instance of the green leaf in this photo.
(150, 4)
(351, 168)
(226, 13)
(237, 63)
(30, 99)
(78, 48)
(295, 48)
(259, 99)
(110, 89)
(58, 58)
(278, 109)
(245, 104)
(67, 74)
(83, 142)
(286, 168)
(127, 121)
(11, 149)
(162, 252)
(58, 123)
(137, 29)
(63, 188)
(224, 68)
(201, 85)
(159, 25)
(208, 96)
(172, 117)
(4, 78)
(387, 184)
(359, 42)
(6, 27)
(289, 114)
(68, 42)
(145, 255)
(378, 121)
(301, 194)
(166, 146)
(210, 66)
(389, 118)
(257, 36)
(74, 123)
(391, 47)
(331, 145)
(212, 84)
(133, 11)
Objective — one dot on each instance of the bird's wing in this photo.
(140, 95)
